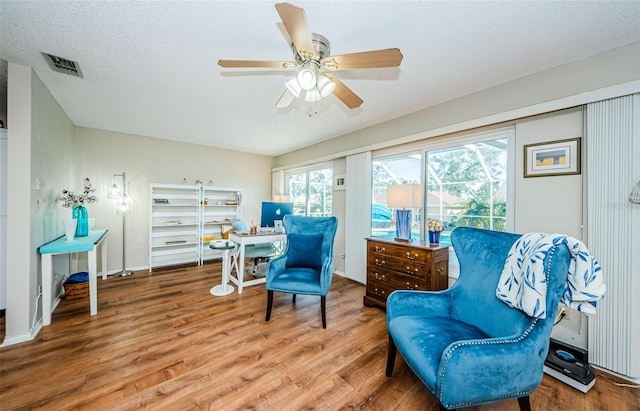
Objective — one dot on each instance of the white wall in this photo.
(99, 154)
(40, 145)
(339, 167)
(552, 204)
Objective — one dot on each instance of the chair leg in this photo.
(391, 356)
(442, 408)
(323, 307)
(524, 403)
(269, 304)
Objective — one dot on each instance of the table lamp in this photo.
(404, 197)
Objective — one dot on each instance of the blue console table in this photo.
(88, 244)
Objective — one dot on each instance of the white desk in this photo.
(241, 240)
(87, 244)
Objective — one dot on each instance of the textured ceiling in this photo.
(150, 66)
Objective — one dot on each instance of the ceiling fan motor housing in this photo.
(321, 46)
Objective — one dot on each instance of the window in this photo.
(464, 183)
(467, 185)
(399, 169)
(311, 191)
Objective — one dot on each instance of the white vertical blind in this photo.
(612, 137)
(357, 215)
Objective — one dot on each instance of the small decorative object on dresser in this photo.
(399, 265)
(434, 228)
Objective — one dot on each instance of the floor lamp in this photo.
(123, 208)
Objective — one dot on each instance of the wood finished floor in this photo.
(160, 341)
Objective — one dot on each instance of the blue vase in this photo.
(81, 214)
(434, 237)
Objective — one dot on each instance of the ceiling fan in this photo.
(314, 63)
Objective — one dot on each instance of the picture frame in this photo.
(339, 182)
(552, 158)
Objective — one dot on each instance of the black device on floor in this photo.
(570, 365)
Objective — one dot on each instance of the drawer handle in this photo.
(440, 271)
(415, 270)
(380, 276)
(409, 287)
(379, 293)
(378, 263)
(380, 250)
(412, 256)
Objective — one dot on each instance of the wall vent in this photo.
(63, 65)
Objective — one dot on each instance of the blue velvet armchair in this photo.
(464, 344)
(306, 267)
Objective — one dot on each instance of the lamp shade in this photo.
(404, 196)
(114, 192)
(325, 86)
(293, 87)
(312, 95)
(279, 198)
(306, 79)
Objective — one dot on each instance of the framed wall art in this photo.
(553, 158)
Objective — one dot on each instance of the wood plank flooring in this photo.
(160, 341)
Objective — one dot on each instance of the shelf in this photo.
(184, 203)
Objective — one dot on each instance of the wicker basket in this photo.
(76, 286)
(76, 291)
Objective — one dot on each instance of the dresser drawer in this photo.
(378, 290)
(408, 267)
(404, 253)
(396, 280)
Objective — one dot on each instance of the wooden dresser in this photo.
(397, 265)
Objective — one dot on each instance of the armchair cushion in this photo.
(302, 250)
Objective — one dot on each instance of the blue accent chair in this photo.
(466, 346)
(306, 267)
(255, 251)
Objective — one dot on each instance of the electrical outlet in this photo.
(563, 312)
(40, 289)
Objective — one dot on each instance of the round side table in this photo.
(224, 288)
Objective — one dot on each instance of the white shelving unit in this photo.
(221, 206)
(183, 216)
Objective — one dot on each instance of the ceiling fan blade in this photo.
(295, 21)
(256, 64)
(344, 93)
(285, 99)
(365, 59)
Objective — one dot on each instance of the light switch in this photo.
(37, 184)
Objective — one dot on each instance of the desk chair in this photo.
(306, 267)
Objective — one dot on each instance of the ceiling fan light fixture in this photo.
(313, 95)
(306, 79)
(325, 86)
(294, 87)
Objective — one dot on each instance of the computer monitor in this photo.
(272, 211)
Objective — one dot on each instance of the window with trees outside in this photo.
(464, 184)
(467, 186)
(398, 169)
(311, 191)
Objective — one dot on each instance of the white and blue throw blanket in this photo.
(523, 284)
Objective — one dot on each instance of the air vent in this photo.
(62, 65)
